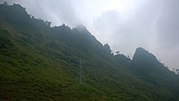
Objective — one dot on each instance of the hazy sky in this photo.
(123, 24)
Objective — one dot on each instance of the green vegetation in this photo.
(43, 63)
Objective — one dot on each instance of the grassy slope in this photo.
(27, 72)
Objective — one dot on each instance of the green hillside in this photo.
(43, 63)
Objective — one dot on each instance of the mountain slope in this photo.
(39, 62)
(149, 69)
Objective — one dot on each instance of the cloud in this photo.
(154, 26)
(169, 23)
(57, 11)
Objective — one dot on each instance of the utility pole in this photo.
(80, 72)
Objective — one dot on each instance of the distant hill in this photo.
(43, 63)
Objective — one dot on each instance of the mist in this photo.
(123, 24)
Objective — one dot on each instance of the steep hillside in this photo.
(43, 63)
(149, 69)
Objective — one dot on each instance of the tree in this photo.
(177, 71)
(48, 23)
(107, 49)
(5, 3)
(117, 52)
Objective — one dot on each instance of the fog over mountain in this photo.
(59, 63)
(124, 24)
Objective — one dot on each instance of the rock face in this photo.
(145, 60)
(149, 69)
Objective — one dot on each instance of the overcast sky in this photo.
(123, 24)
